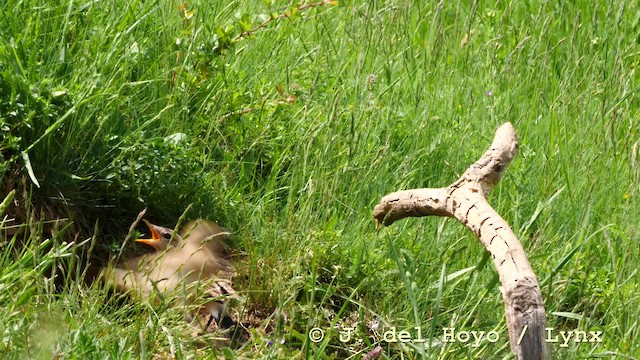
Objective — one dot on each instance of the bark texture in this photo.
(465, 200)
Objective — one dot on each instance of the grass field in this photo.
(288, 134)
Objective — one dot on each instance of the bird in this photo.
(187, 264)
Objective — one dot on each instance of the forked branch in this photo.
(465, 200)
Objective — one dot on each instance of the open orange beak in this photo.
(155, 236)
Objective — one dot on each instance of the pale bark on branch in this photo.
(465, 200)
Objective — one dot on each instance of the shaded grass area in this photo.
(288, 137)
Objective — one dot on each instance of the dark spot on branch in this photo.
(493, 237)
(469, 209)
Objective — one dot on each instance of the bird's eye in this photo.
(166, 236)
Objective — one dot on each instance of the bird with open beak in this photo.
(189, 265)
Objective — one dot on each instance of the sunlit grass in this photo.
(289, 137)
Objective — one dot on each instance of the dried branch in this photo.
(465, 200)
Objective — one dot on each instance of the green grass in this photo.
(388, 96)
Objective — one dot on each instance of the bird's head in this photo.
(160, 236)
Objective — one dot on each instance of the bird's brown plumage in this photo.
(188, 265)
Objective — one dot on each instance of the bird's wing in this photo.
(193, 263)
(209, 234)
(144, 274)
(124, 281)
